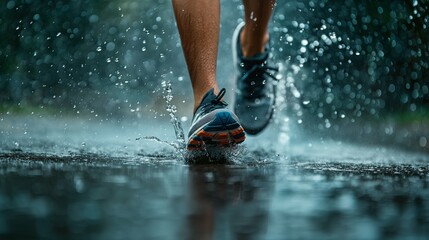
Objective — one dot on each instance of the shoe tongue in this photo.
(208, 97)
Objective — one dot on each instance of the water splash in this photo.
(208, 155)
(172, 109)
(214, 155)
(176, 145)
(179, 144)
(281, 118)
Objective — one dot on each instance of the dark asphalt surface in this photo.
(73, 179)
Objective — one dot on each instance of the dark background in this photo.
(348, 59)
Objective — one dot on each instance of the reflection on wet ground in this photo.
(308, 190)
(106, 198)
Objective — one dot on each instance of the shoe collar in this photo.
(210, 102)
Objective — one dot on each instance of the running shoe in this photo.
(213, 125)
(255, 92)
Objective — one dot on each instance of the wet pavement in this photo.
(73, 179)
(79, 173)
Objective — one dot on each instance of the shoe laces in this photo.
(255, 79)
(214, 103)
(218, 99)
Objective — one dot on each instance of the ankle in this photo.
(199, 95)
(252, 43)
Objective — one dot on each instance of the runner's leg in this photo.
(255, 35)
(198, 24)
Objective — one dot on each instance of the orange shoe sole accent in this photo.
(227, 138)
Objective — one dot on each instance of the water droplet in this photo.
(110, 46)
(93, 18)
(304, 42)
(10, 4)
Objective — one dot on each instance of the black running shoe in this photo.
(255, 93)
(213, 125)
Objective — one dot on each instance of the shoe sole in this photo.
(222, 131)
